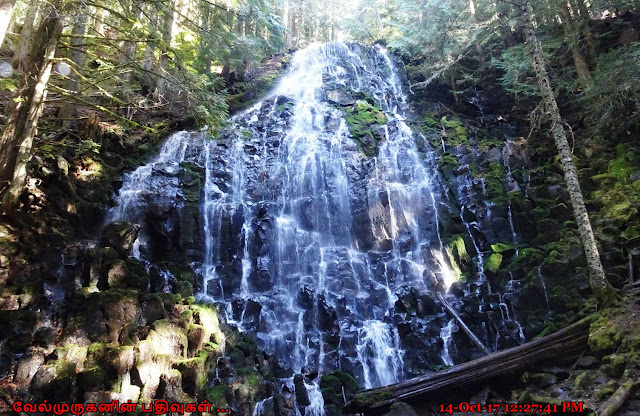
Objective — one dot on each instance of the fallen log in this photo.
(551, 347)
(616, 401)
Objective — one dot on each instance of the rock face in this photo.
(321, 225)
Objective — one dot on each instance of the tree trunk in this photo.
(21, 56)
(615, 402)
(98, 21)
(17, 137)
(149, 61)
(77, 54)
(6, 11)
(299, 22)
(167, 37)
(605, 294)
(289, 25)
(205, 43)
(129, 48)
(572, 37)
(505, 30)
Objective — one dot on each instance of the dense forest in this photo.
(296, 207)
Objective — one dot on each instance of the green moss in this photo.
(606, 391)
(448, 159)
(616, 364)
(501, 247)
(216, 395)
(493, 262)
(253, 381)
(494, 179)
(430, 121)
(485, 144)
(584, 380)
(459, 248)
(362, 118)
(365, 399)
(604, 334)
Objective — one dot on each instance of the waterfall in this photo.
(330, 258)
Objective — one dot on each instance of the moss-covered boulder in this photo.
(120, 236)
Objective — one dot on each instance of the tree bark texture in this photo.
(77, 54)
(603, 291)
(129, 48)
(21, 55)
(149, 61)
(616, 401)
(167, 37)
(17, 137)
(572, 37)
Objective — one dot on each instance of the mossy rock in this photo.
(606, 390)
(615, 364)
(584, 380)
(363, 119)
(194, 372)
(120, 236)
(237, 357)
(502, 247)
(91, 379)
(217, 395)
(604, 334)
(495, 178)
(448, 159)
(493, 262)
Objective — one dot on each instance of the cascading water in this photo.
(334, 235)
(331, 259)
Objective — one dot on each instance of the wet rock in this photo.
(170, 387)
(302, 396)
(339, 96)
(120, 236)
(28, 366)
(305, 297)
(44, 336)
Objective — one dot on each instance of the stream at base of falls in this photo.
(320, 226)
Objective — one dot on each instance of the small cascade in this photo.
(138, 186)
(316, 408)
(446, 334)
(544, 287)
(379, 352)
(259, 410)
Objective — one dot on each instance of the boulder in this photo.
(120, 236)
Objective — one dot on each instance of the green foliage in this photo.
(88, 146)
(518, 77)
(612, 99)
